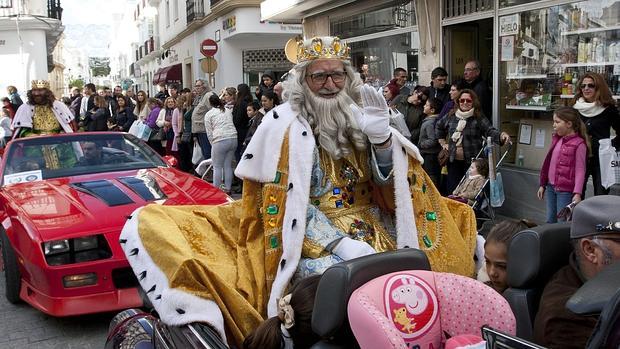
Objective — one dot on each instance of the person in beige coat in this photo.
(469, 188)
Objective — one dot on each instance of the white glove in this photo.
(374, 120)
(348, 248)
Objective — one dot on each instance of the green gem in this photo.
(424, 188)
(273, 241)
(272, 209)
(316, 202)
(431, 216)
(427, 241)
(278, 177)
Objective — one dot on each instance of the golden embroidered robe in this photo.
(228, 264)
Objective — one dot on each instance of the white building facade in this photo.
(29, 32)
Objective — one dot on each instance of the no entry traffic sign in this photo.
(208, 47)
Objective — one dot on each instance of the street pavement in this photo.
(22, 326)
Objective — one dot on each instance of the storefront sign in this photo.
(508, 48)
(509, 25)
(230, 24)
(291, 27)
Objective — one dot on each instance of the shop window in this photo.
(396, 14)
(377, 58)
(542, 55)
(6, 3)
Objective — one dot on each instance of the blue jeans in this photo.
(205, 145)
(556, 201)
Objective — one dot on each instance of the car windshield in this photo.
(40, 158)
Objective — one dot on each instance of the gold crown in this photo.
(40, 84)
(326, 47)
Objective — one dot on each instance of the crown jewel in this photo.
(40, 84)
(322, 48)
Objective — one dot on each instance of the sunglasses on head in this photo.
(465, 100)
(587, 85)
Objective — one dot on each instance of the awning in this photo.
(168, 75)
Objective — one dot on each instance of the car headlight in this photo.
(55, 247)
(85, 243)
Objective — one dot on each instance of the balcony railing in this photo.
(54, 10)
(195, 10)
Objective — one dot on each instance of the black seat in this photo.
(534, 255)
(329, 318)
(601, 295)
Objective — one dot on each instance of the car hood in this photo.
(84, 205)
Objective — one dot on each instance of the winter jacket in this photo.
(598, 127)
(98, 121)
(262, 88)
(476, 129)
(219, 125)
(413, 116)
(441, 94)
(201, 108)
(482, 90)
(124, 119)
(428, 143)
(566, 166)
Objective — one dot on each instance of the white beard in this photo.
(333, 123)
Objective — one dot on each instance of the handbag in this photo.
(610, 163)
(443, 157)
(157, 134)
(197, 154)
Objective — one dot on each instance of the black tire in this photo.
(12, 276)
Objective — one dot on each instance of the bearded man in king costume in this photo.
(324, 181)
(42, 114)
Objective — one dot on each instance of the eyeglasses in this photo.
(465, 100)
(321, 78)
(470, 69)
(587, 86)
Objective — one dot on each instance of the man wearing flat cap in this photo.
(595, 236)
(326, 179)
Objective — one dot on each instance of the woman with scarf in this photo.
(465, 127)
(593, 100)
(169, 119)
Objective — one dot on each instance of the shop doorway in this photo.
(469, 40)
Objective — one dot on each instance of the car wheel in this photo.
(12, 276)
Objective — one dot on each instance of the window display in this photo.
(542, 54)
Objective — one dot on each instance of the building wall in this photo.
(27, 58)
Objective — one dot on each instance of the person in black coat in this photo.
(240, 116)
(474, 82)
(97, 118)
(124, 115)
(268, 81)
(595, 104)
(440, 89)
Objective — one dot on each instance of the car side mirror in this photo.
(171, 161)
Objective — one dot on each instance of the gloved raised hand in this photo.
(374, 119)
(348, 248)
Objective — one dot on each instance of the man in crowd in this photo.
(595, 236)
(88, 100)
(201, 107)
(173, 91)
(162, 94)
(439, 88)
(42, 113)
(131, 96)
(400, 79)
(324, 181)
(474, 81)
(14, 97)
(76, 102)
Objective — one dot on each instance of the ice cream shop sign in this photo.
(230, 24)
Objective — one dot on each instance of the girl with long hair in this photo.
(240, 118)
(597, 108)
(155, 107)
(142, 109)
(97, 118)
(124, 115)
(464, 128)
(168, 119)
(564, 169)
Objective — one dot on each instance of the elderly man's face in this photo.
(471, 72)
(326, 77)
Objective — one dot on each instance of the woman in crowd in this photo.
(455, 88)
(267, 83)
(6, 104)
(390, 92)
(142, 109)
(465, 127)
(428, 144)
(594, 102)
(184, 105)
(97, 118)
(240, 117)
(155, 107)
(168, 119)
(14, 97)
(563, 172)
(124, 115)
(412, 107)
(223, 137)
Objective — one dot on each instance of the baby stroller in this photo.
(482, 203)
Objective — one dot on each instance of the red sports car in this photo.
(63, 202)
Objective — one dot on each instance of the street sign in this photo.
(208, 65)
(208, 48)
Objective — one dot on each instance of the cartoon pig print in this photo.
(411, 295)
